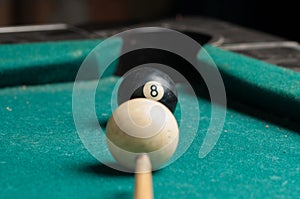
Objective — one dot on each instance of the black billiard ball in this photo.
(150, 83)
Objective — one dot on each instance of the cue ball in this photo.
(142, 126)
(150, 83)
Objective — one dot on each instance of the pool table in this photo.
(42, 156)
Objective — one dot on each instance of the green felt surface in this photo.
(43, 157)
(245, 78)
(257, 82)
(46, 62)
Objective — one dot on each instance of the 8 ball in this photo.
(150, 83)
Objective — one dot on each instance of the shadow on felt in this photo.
(104, 170)
(120, 195)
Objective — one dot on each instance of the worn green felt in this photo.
(261, 84)
(38, 63)
(41, 155)
(257, 82)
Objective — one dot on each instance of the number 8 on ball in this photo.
(150, 83)
(153, 90)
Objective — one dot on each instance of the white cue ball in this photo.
(142, 126)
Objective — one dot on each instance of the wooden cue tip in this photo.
(143, 178)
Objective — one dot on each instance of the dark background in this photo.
(276, 17)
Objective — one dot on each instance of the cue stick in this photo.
(143, 178)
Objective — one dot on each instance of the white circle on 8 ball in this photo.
(153, 90)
